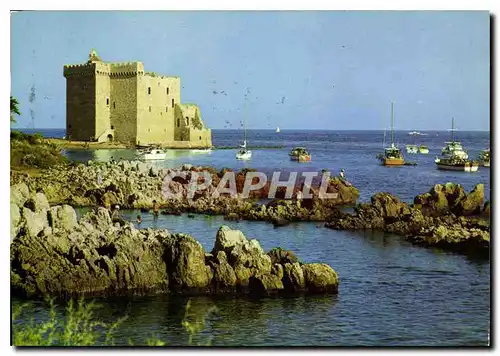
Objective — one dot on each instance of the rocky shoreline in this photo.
(54, 254)
(135, 185)
(445, 217)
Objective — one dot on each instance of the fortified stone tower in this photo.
(121, 102)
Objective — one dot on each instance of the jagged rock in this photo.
(34, 222)
(294, 277)
(320, 278)
(63, 217)
(264, 285)
(486, 209)
(185, 260)
(278, 255)
(472, 203)
(15, 217)
(37, 203)
(19, 193)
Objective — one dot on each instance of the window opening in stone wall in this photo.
(112, 127)
(168, 90)
(178, 122)
(166, 108)
(200, 137)
(150, 109)
(187, 121)
(173, 102)
(69, 126)
(149, 90)
(114, 105)
(107, 101)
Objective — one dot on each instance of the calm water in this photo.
(391, 293)
(353, 151)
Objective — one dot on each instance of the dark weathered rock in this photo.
(418, 223)
(471, 204)
(278, 255)
(53, 254)
(320, 278)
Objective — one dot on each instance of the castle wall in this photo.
(120, 101)
(80, 102)
(190, 127)
(102, 99)
(157, 97)
(123, 100)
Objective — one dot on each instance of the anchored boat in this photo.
(243, 152)
(484, 158)
(153, 153)
(454, 157)
(411, 149)
(392, 155)
(300, 154)
(423, 149)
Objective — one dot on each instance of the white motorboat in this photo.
(454, 157)
(277, 130)
(153, 154)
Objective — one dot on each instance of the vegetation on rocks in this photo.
(29, 151)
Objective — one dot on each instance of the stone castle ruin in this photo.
(123, 103)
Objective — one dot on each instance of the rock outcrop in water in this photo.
(438, 218)
(137, 185)
(54, 254)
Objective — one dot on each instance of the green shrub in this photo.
(77, 328)
(80, 328)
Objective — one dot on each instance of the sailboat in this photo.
(454, 157)
(392, 155)
(278, 129)
(243, 152)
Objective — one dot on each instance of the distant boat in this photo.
(416, 133)
(244, 153)
(300, 154)
(485, 157)
(392, 155)
(423, 149)
(277, 129)
(411, 149)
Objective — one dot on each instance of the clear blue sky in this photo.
(336, 70)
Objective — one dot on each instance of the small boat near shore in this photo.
(277, 129)
(300, 154)
(153, 154)
(202, 150)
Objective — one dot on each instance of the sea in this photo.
(391, 293)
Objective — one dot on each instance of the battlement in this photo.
(154, 75)
(126, 69)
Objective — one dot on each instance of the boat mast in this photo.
(452, 129)
(392, 123)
